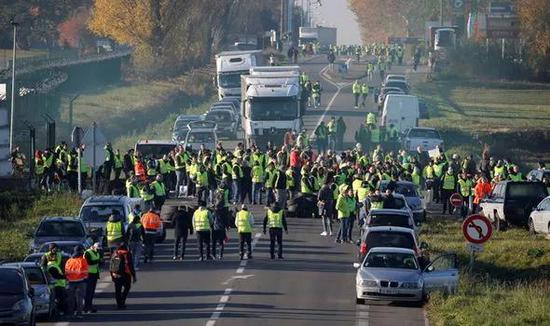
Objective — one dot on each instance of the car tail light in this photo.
(363, 248)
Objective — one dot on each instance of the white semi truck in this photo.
(270, 104)
(230, 65)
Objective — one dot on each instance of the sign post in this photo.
(477, 229)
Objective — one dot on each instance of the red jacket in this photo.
(295, 160)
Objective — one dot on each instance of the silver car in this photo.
(394, 274)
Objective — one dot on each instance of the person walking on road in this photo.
(202, 224)
(136, 237)
(356, 90)
(122, 272)
(183, 226)
(245, 224)
(219, 235)
(342, 206)
(364, 94)
(93, 258)
(115, 231)
(340, 132)
(275, 219)
(321, 134)
(152, 224)
(76, 271)
(325, 201)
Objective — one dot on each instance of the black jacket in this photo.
(183, 224)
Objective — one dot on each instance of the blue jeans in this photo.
(236, 191)
(343, 231)
(351, 220)
(257, 192)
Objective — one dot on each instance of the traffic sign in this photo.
(477, 229)
(456, 200)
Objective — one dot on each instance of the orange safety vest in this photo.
(76, 269)
(150, 221)
(139, 170)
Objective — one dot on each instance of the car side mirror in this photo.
(429, 269)
(356, 265)
(424, 246)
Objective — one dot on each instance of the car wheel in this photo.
(531, 227)
(359, 301)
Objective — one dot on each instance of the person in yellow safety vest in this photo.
(275, 220)
(306, 185)
(364, 94)
(439, 169)
(356, 89)
(303, 78)
(257, 182)
(448, 187)
(370, 71)
(147, 194)
(356, 183)
(160, 191)
(465, 187)
(244, 221)
(202, 224)
(343, 207)
(51, 256)
(115, 231)
(118, 164)
(202, 183)
(514, 174)
(303, 139)
(132, 190)
(93, 258)
(416, 177)
(375, 134)
(371, 119)
(237, 177)
(500, 170)
(56, 274)
(331, 127)
(392, 134)
(269, 183)
(290, 186)
(376, 200)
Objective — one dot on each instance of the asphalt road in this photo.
(313, 285)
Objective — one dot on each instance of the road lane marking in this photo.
(362, 315)
(240, 270)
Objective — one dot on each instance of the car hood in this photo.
(401, 275)
(8, 300)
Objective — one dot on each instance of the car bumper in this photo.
(42, 306)
(388, 294)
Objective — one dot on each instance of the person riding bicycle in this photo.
(316, 93)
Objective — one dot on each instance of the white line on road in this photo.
(362, 315)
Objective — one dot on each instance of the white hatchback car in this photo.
(539, 219)
(394, 274)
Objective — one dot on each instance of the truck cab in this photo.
(271, 104)
(230, 65)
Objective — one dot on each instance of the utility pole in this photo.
(282, 22)
(440, 12)
(12, 110)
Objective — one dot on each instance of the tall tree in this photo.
(535, 25)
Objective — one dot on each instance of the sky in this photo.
(335, 13)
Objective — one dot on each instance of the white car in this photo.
(425, 138)
(391, 77)
(201, 133)
(539, 219)
(390, 217)
(395, 274)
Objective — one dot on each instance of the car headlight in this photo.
(368, 283)
(19, 306)
(411, 285)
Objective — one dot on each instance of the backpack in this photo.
(117, 265)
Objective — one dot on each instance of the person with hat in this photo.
(55, 271)
(122, 272)
(244, 220)
(152, 225)
(275, 219)
(76, 271)
(202, 224)
(51, 256)
(93, 258)
(115, 230)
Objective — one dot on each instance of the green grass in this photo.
(14, 226)
(509, 285)
(7, 53)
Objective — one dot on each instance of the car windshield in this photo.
(182, 124)
(200, 138)
(424, 133)
(396, 83)
(391, 260)
(99, 213)
(527, 190)
(387, 90)
(390, 239)
(67, 248)
(407, 190)
(268, 109)
(154, 150)
(11, 282)
(35, 275)
(230, 79)
(219, 116)
(398, 78)
(60, 229)
(389, 220)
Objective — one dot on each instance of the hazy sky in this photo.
(335, 13)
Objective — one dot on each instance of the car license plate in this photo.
(388, 291)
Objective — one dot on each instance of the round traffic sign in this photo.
(456, 200)
(477, 229)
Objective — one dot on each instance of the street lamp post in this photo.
(12, 109)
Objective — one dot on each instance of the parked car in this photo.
(389, 236)
(16, 297)
(539, 219)
(154, 149)
(180, 126)
(385, 91)
(201, 134)
(401, 84)
(511, 202)
(227, 123)
(538, 175)
(425, 138)
(412, 196)
(66, 249)
(235, 107)
(44, 297)
(392, 77)
(390, 217)
(60, 229)
(395, 274)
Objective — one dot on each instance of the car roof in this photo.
(156, 142)
(22, 264)
(61, 219)
(392, 250)
(422, 128)
(389, 211)
(188, 117)
(221, 109)
(11, 267)
(389, 229)
(106, 199)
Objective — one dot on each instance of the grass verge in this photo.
(16, 223)
(509, 285)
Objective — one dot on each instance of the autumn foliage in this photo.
(75, 29)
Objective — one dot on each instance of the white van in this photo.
(400, 110)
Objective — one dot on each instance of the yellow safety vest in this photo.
(61, 283)
(465, 187)
(356, 88)
(242, 222)
(304, 188)
(114, 230)
(202, 179)
(200, 220)
(93, 268)
(449, 182)
(275, 220)
(257, 174)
